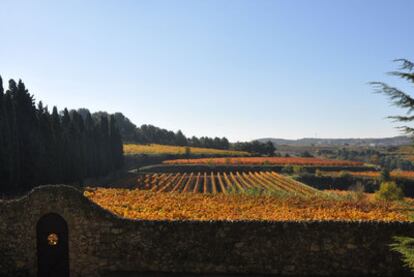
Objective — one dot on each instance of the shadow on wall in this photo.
(99, 242)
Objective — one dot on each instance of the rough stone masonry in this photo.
(100, 242)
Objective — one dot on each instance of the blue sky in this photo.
(240, 69)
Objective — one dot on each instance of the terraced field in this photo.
(266, 160)
(159, 149)
(144, 204)
(222, 182)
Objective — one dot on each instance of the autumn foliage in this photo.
(216, 182)
(158, 149)
(141, 204)
(266, 160)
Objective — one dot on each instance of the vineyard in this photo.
(222, 183)
(158, 149)
(142, 204)
(371, 174)
(266, 160)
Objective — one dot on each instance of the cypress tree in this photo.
(116, 144)
(13, 148)
(45, 161)
(91, 152)
(27, 135)
(104, 149)
(37, 147)
(56, 148)
(2, 137)
(76, 132)
(67, 150)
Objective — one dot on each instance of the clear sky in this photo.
(240, 69)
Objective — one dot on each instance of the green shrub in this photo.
(389, 191)
(357, 191)
(345, 174)
(318, 173)
(288, 169)
(297, 169)
(405, 246)
(385, 175)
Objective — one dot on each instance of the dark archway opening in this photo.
(52, 246)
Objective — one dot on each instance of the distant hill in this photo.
(392, 141)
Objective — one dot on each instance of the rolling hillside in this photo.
(393, 141)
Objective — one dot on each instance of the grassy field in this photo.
(158, 149)
(141, 204)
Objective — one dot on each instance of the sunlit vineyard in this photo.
(222, 182)
(142, 204)
(266, 160)
(157, 149)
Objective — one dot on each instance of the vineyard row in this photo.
(266, 161)
(222, 182)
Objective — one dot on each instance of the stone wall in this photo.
(100, 242)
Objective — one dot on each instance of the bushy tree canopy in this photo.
(256, 147)
(148, 133)
(398, 97)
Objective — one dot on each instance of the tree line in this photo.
(39, 147)
(257, 147)
(148, 133)
(384, 159)
(151, 134)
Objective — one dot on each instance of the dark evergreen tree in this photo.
(37, 147)
(399, 98)
(256, 147)
(56, 149)
(2, 135)
(180, 139)
(117, 156)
